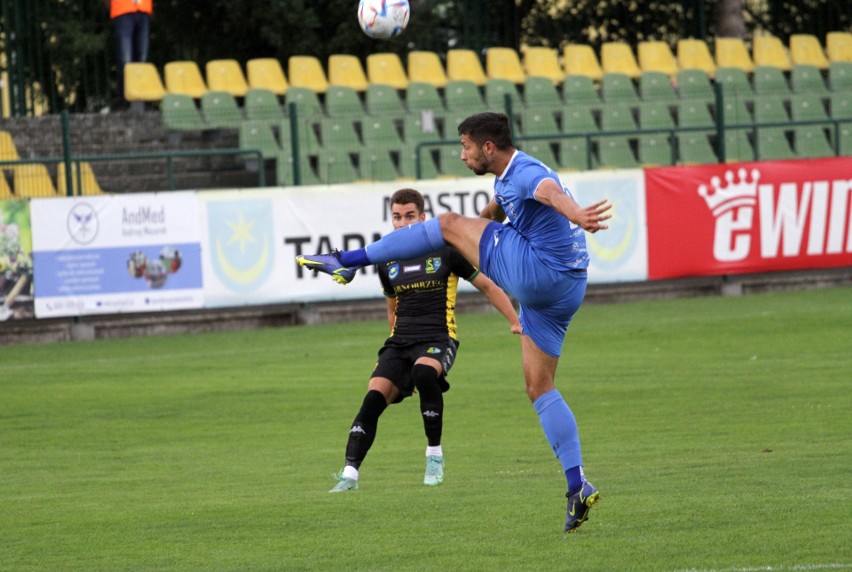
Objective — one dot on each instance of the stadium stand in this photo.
(306, 101)
(184, 77)
(838, 46)
(426, 67)
(386, 68)
(496, 91)
(655, 150)
(732, 53)
(735, 82)
(694, 84)
(343, 101)
(656, 56)
(83, 181)
(261, 104)
(579, 89)
(462, 95)
(806, 78)
(656, 86)
(32, 180)
(385, 100)
(8, 151)
(504, 63)
(226, 75)
(267, 73)
(805, 49)
(220, 110)
(464, 64)
(179, 113)
(840, 76)
(540, 92)
(767, 50)
(580, 59)
(346, 70)
(422, 96)
(142, 82)
(617, 57)
(694, 148)
(307, 72)
(543, 62)
(694, 54)
(618, 87)
(769, 80)
(655, 115)
(5, 189)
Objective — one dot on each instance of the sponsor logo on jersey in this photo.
(432, 265)
(393, 271)
(411, 268)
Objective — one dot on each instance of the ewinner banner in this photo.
(113, 254)
(749, 217)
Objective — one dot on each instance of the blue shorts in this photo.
(549, 298)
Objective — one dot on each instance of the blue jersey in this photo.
(560, 244)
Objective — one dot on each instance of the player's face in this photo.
(473, 156)
(404, 215)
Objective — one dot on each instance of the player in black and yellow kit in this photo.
(418, 355)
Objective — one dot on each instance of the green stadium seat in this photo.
(694, 113)
(420, 96)
(846, 139)
(614, 152)
(580, 90)
(541, 123)
(420, 127)
(381, 133)
(736, 112)
(545, 150)
(574, 156)
(179, 113)
(384, 99)
(770, 110)
(655, 149)
(220, 110)
(378, 165)
(811, 142)
(539, 92)
(336, 166)
(463, 95)
(769, 80)
(655, 115)
(258, 135)
(738, 148)
(306, 101)
(617, 87)
(841, 105)
(451, 164)
(656, 86)
(694, 148)
(695, 84)
(735, 83)
(772, 144)
(339, 133)
(840, 76)
(408, 162)
(262, 105)
(578, 119)
(343, 101)
(617, 117)
(496, 91)
(807, 79)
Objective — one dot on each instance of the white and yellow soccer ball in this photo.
(383, 19)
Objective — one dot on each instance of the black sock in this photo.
(431, 401)
(363, 430)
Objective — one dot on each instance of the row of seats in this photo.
(144, 83)
(30, 180)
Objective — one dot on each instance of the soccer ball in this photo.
(383, 19)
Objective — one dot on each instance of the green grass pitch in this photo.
(719, 431)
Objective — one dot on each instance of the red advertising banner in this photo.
(749, 217)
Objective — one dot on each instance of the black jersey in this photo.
(425, 289)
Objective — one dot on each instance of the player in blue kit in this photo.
(422, 347)
(540, 258)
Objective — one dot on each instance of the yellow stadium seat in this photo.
(617, 57)
(806, 49)
(504, 63)
(5, 191)
(695, 55)
(345, 70)
(266, 73)
(767, 50)
(8, 151)
(307, 72)
(465, 64)
(540, 61)
(142, 82)
(82, 176)
(732, 53)
(184, 77)
(426, 67)
(226, 75)
(386, 69)
(32, 180)
(839, 46)
(580, 59)
(657, 57)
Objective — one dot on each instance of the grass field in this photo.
(718, 429)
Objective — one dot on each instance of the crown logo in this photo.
(735, 194)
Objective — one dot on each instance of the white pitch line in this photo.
(794, 568)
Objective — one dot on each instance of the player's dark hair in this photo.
(406, 196)
(488, 126)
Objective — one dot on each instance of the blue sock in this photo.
(560, 428)
(575, 478)
(354, 258)
(408, 242)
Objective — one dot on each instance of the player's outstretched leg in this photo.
(344, 483)
(328, 264)
(579, 505)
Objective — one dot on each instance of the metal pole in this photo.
(294, 142)
(720, 121)
(66, 154)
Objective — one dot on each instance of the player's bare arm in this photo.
(493, 211)
(499, 300)
(588, 218)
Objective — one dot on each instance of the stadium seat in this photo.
(735, 82)
(340, 133)
(496, 91)
(343, 101)
(575, 154)
(83, 181)
(767, 50)
(259, 135)
(537, 122)
(738, 147)
(540, 92)
(655, 149)
(420, 96)
(266, 73)
(805, 49)
(695, 84)
(841, 105)
(307, 72)
(220, 110)
(614, 152)
(226, 75)
(736, 112)
(463, 64)
(732, 53)
(504, 63)
(694, 113)
(306, 101)
(579, 89)
(580, 59)
(617, 117)
(838, 46)
(381, 133)
(410, 159)
(617, 57)
(540, 61)
(384, 99)
(5, 189)
(618, 87)
(184, 77)
(846, 140)
(578, 119)
(179, 113)
(545, 150)
(450, 163)
(8, 151)
(808, 107)
(655, 115)
(694, 54)
(386, 69)
(336, 166)
(262, 105)
(377, 165)
(306, 137)
(772, 144)
(655, 56)
(770, 110)
(656, 86)
(420, 128)
(840, 76)
(346, 70)
(142, 82)
(694, 148)
(462, 95)
(32, 180)
(426, 67)
(811, 142)
(770, 80)
(806, 78)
